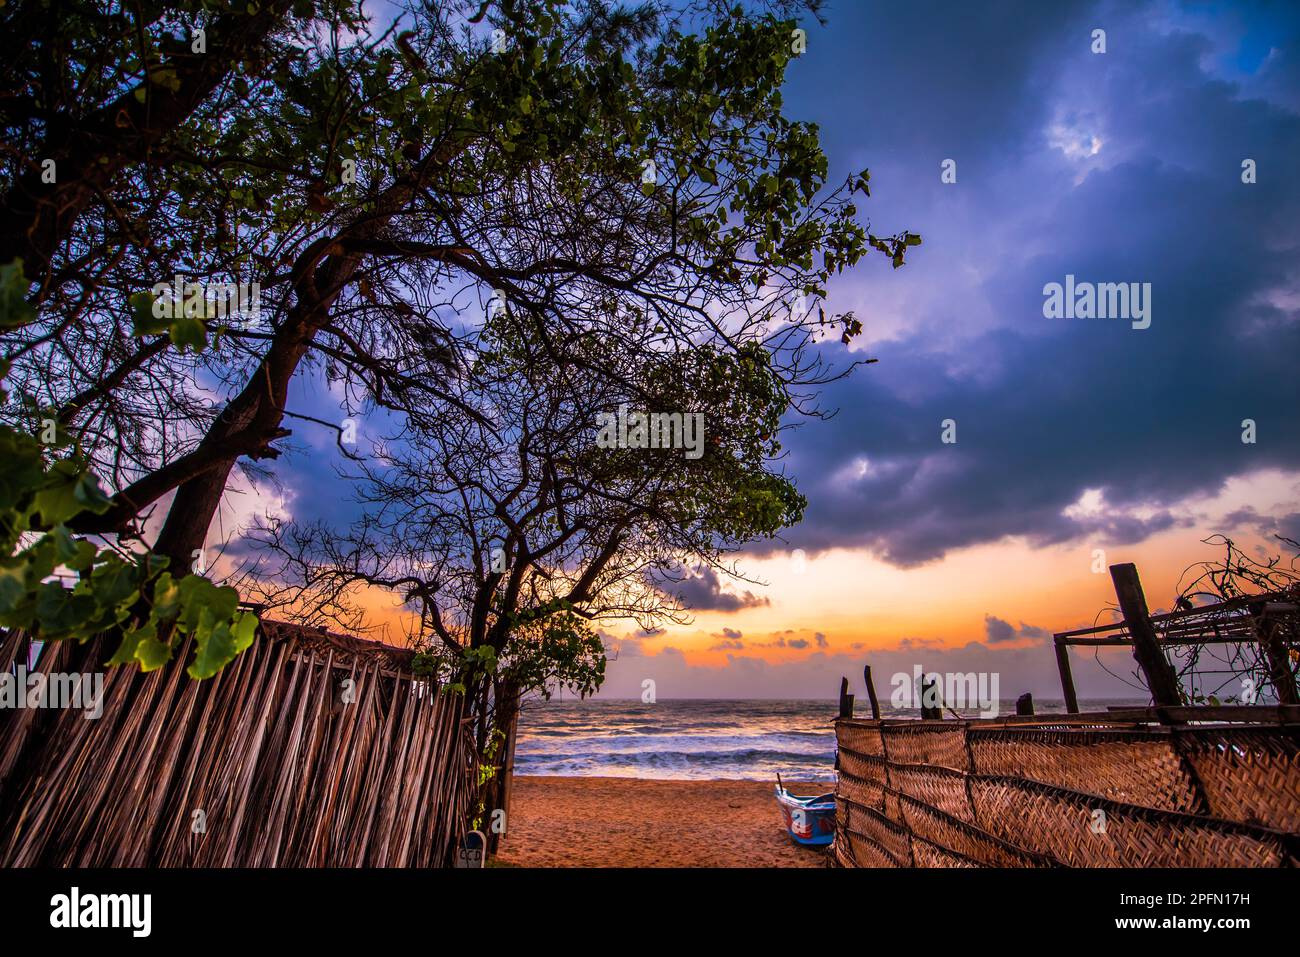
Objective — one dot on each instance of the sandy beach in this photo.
(631, 822)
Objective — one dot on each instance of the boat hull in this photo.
(811, 820)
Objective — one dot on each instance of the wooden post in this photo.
(936, 712)
(1025, 704)
(1160, 677)
(846, 699)
(1067, 680)
(871, 693)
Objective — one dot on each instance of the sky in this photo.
(1071, 435)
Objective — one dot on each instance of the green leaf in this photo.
(218, 642)
(114, 583)
(14, 308)
(188, 331)
(71, 491)
(23, 468)
(15, 597)
(60, 611)
(152, 654)
(166, 598)
(76, 554)
(144, 322)
(131, 639)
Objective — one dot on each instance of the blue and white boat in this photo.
(809, 820)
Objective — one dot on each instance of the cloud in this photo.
(997, 630)
(816, 675)
(1285, 526)
(1055, 415)
(703, 591)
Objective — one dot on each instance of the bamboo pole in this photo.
(282, 781)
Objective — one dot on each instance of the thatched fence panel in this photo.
(1082, 791)
(268, 764)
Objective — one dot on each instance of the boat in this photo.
(809, 820)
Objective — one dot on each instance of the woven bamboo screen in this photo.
(263, 765)
(1079, 794)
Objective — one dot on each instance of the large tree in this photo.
(582, 164)
(573, 497)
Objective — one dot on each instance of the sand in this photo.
(629, 822)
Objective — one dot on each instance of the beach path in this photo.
(632, 822)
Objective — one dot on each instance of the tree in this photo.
(594, 169)
(45, 485)
(523, 170)
(515, 535)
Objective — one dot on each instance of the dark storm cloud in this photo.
(1047, 409)
(703, 592)
(1269, 526)
(995, 629)
(998, 630)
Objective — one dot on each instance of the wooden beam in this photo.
(1160, 677)
(846, 699)
(1127, 640)
(1251, 714)
(1241, 603)
(1025, 704)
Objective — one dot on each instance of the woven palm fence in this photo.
(278, 761)
(1055, 792)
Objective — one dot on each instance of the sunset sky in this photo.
(1072, 435)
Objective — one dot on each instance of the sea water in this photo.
(692, 738)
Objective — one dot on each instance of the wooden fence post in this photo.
(871, 693)
(1067, 679)
(846, 699)
(1025, 704)
(1160, 677)
(936, 712)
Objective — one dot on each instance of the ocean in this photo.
(688, 739)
